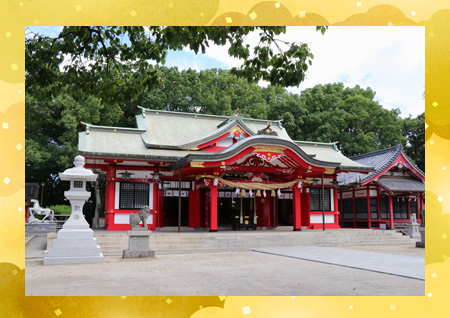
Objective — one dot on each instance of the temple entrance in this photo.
(171, 210)
(285, 209)
(225, 211)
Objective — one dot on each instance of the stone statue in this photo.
(413, 218)
(36, 209)
(136, 218)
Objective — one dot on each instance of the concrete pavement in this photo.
(227, 273)
(400, 265)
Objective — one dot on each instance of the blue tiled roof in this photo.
(380, 159)
(402, 184)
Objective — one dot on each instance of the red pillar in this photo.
(110, 196)
(336, 206)
(213, 209)
(391, 212)
(409, 208)
(297, 209)
(342, 215)
(419, 217)
(194, 208)
(369, 216)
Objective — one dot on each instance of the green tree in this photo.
(414, 130)
(91, 53)
(100, 74)
(349, 115)
(51, 132)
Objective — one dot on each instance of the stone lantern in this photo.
(75, 243)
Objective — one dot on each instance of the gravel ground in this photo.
(237, 273)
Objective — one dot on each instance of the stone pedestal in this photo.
(40, 228)
(138, 244)
(413, 230)
(422, 235)
(74, 246)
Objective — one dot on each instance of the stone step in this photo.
(160, 241)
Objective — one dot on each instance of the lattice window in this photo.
(347, 209)
(133, 195)
(315, 199)
(384, 207)
(361, 209)
(400, 208)
(374, 209)
(413, 206)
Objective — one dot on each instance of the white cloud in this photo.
(390, 60)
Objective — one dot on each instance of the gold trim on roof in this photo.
(238, 129)
(275, 149)
(197, 164)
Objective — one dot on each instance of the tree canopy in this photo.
(99, 60)
(99, 75)
(414, 130)
(350, 116)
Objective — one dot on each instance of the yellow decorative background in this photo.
(16, 14)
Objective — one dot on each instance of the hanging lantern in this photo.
(258, 193)
(273, 194)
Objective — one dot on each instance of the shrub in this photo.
(61, 209)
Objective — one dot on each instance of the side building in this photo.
(386, 197)
(214, 172)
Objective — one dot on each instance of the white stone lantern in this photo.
(75, 243)
(77, 194)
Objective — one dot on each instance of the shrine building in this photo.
(216, 172)
(388, 195)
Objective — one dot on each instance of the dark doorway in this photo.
(225, 211)
(285, 210)
(171, 211)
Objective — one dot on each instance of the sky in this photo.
(390, 60)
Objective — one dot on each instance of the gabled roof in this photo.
(175, 135)
(178, 130)
(381, 160)
(330, 152)
(327, 156)
(250, 141)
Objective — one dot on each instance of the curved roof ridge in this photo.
(323, 144)
(250, 141)
(377, 152)
(223, 129)
(108, 128)
(175, 113)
